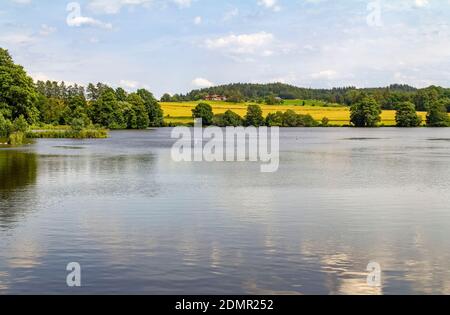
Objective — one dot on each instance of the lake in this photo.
(137, 222)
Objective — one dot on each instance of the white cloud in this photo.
(18, 39)
(287, 79)
(22, 1)
(129, 84)
(202, 83)
(183, 3)
(198, 20)
(404, 5)
(256, 43)
(231, 14)
(422, 3)
(417, 81)
(46, 30)
(115, 6)
(40, 76)
(76, 19)
(87, 21)
(270, 4)
(325, 74)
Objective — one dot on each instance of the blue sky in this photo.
(177, 45)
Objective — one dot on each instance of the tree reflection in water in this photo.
(17, 171)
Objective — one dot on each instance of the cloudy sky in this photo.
(177, 45)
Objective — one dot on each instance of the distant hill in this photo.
(254, 92)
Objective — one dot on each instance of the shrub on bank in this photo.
(16, 138)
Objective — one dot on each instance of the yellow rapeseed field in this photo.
(181, 112)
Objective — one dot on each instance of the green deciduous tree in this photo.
(140, 111)
(290, 119)
(119, 119)
(121, 94)
(95, 91)
(5, 126)
(52, 110)
(154, 110)
(76, 108)
(166, 98)
(234, 97)
(104, 108)
(230, 118)
(446, 103)
(254, 116)
(128, 116)
(306, 121)
(77, 124)
(437, 115)
(389, 100)
(205, 112)
(273, 100)
(365, 113)
(406, 115)
(274, 119)
(218, 121)
(17, 91)
(79, 113)
(20, 124)
(425, 98)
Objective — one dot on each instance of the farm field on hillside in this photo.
(181, 112)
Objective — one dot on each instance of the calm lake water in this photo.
(138, 222)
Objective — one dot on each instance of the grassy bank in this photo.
(68, 134)
(47, 127)
(14, 139)
(181, 112)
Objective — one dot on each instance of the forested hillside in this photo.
(387, 97)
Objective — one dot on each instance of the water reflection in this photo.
(91, 175)
(17, 171)
(141, 223)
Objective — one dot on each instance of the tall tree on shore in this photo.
(139, 110)
(406, 115)
(5, 126)
(205, 112)
(365, 113)
(17, 91)
(254, 116)
(275, 119)
(425, 98)
(154, 110)
(121, 94)
(103, 108)
(437, 115)
(230, 118)
(95, 91)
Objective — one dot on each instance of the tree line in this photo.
(254, 117)
(387, 97)
(366, 112)
(97, 104)
(24, 103)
